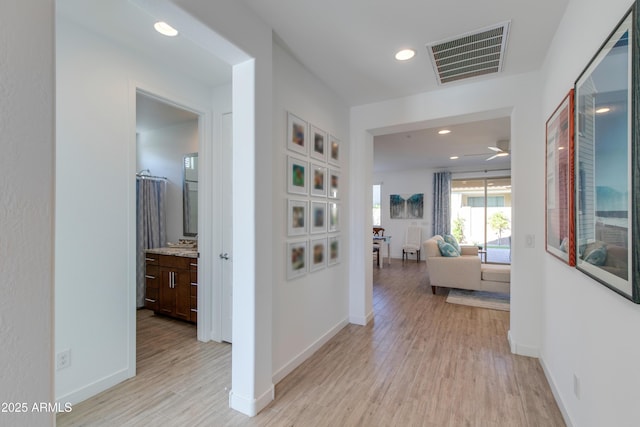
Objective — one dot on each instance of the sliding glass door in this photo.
(481, 216)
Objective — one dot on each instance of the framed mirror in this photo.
(190, 195)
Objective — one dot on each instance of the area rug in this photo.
(491, 300)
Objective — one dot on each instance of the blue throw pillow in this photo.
(451, 239)
(447, 249)
(597, 256)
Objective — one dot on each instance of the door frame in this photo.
(207, 216)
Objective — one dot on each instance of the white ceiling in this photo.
(130, 26)
(153, 114)
(349, 45)
(426, 149)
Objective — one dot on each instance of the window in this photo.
(481, 215)
(492, 201)
(376, 204)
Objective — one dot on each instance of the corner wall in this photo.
(309, 310)
(26, 208)
(95, 202)
(587, 331)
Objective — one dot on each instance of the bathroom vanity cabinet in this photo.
(171, 285)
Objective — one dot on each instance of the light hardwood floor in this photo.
(420, 362)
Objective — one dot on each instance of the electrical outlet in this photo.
(63, 359)
(576, 386)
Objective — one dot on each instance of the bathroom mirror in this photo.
(190, 195)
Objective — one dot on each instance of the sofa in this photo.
(464, 271)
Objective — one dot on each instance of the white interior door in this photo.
(227, 227)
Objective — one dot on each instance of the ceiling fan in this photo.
(501, 149)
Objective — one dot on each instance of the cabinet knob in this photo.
(224, 256)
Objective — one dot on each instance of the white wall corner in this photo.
(556, 393)
(251, 407)
(90, 390)
(521, 349)
(308, 352)
(361, 320)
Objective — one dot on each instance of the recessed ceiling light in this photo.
(454, 158)
(603, 110)
(165, 29)
(405, 54)
(444, 131)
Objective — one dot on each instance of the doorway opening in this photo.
(167, 143)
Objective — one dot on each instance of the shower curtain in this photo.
(151, 225)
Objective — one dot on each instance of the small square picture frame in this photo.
(297, 130)
(334, 217)
(333, 248)
(333, 150)
(317, 254)
(318, 180)
(318, 217)
(296, 259)
(317, 143)
(297, 217)
(333, 184)
(297, 176)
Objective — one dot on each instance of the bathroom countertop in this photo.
(175, 251)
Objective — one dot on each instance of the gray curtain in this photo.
(151, 225)
(442, 203)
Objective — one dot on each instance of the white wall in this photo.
(26, 208)
(309, 310)
(517, 96)
(162, 151)
(95, 202)
(247, 45)
(587, 329)
(405, 182)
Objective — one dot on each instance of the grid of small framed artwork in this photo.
(313, 208)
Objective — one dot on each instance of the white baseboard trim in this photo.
(251, 407)
(362, 321)
(556, 394)
(306, 353)
(522, 350)
(94, 388)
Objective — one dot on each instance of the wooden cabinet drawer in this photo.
(151, 299)
(151, 259)
(194, 309)
(174, 261)
(152, 277)
(194, 289)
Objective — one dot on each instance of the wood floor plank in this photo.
(420, 362)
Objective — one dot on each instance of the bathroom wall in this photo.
(162, 151)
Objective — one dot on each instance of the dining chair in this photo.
(412, 242)
(377, 232)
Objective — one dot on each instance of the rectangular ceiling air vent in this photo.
(470, 55)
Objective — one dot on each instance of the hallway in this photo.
(421, 362)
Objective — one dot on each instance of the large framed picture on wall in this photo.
(607, 163)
